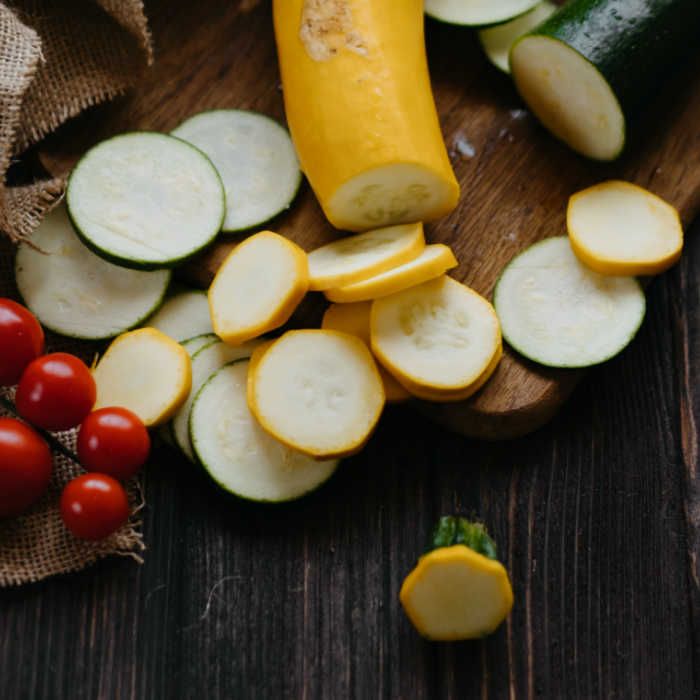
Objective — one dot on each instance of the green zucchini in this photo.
(587, 69)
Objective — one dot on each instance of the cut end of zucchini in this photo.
(432, 262)
(255, 158)
(238, 454)
(145, 371)
(617, 228)
(183, 316)
(146, 200)
(359, 257)
(257, 287)
(557, 312)
(569, 96)
(392, 194)
(74, 292)
(318, 391)
(438, 339)
(497, 41)
(477, 13)
(455, 593)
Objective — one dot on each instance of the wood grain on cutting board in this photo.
(515, 178)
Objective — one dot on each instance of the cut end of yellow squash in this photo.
(392, 194)
(356, 258)
(433, 261)
(618, 228)
(317, 391)
(354, 319)
(145, 371)
(361, 112)
(455, 593)
(257, 287)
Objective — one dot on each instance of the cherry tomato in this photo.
(21, 340)
(113, 441)
(25, 466)
(93, 506)
(56, 392)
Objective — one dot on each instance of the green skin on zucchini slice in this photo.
(589, 68)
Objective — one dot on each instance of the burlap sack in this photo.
(56, 59)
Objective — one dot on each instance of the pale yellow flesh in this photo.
(183, 316)
(446, 396)
(257, 287)
(317, 391)
(361, 112)
(440, 336)
(433, 261)
(618, 228)
(359, 257)
(569, 96)
(354, 319)
(146, 372)
(455, 593)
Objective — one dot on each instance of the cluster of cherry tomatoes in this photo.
(57, 392)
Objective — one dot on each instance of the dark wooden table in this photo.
(597, 517)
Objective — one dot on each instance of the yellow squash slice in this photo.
(257, 287)
(145, 371)
(361, 111)
(318, 392)
(434, 261)
(356, 258)
(617, 228)
(354, 319)
(441, 340)
(459, 590)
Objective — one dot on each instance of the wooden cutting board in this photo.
(515, 178)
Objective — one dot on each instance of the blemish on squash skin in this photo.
(327, 27)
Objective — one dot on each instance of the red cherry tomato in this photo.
(25, 466)
(113, 441)
(21, 340)
(93, 506)
(56, 392)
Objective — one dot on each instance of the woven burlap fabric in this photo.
(57, 58)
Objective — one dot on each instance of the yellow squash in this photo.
(360, 108)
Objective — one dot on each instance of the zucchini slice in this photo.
(238, 454)
(257, 287)
(356, 258)
(318, 392)
(205, 362)
(255, 158)
(557, 312)
(617, 228)
(145, 371)
(183, 316)
(146, 200)
(433, 262)
(477, 13)
(459, 590)
(74, 292)
(441, 340)
(594, 63)
(194, 345)
(497, 41)
(354, 319)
